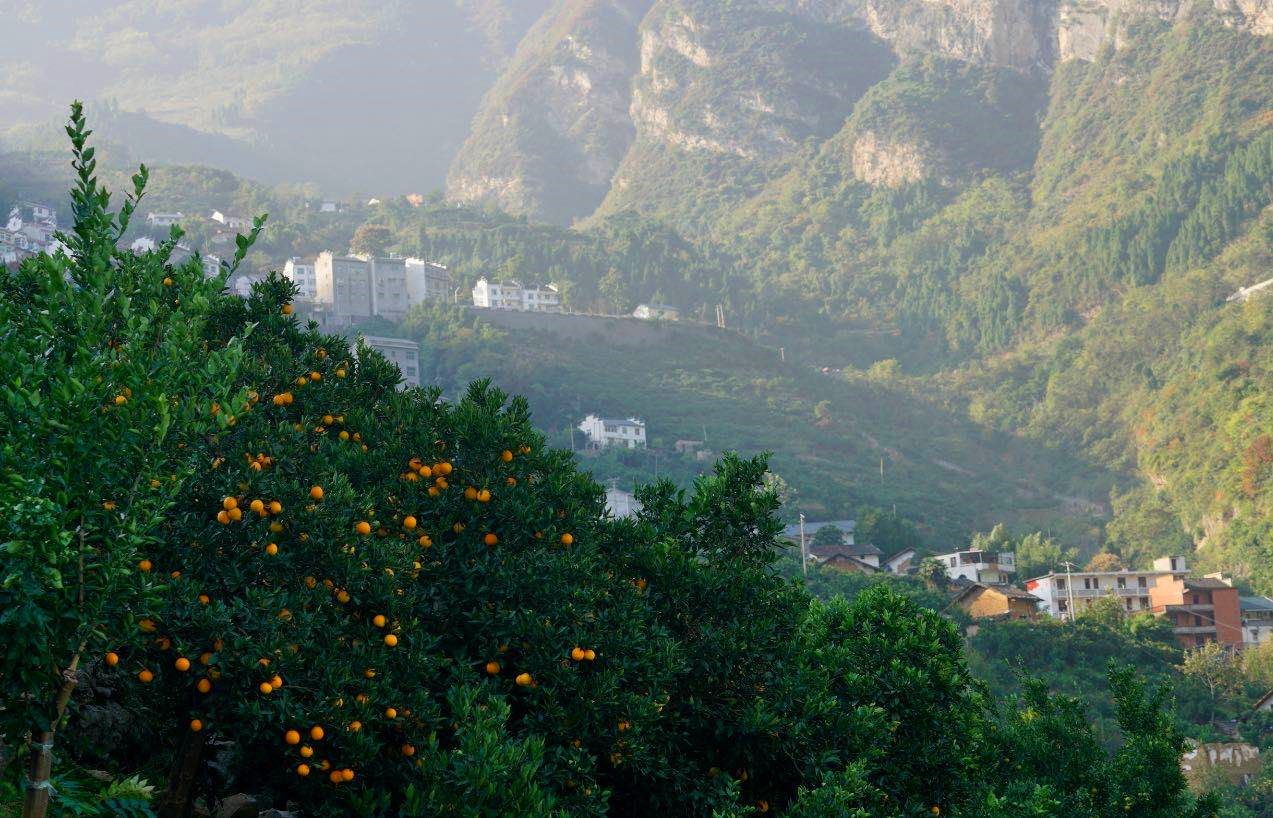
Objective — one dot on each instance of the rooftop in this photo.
(1255, 603)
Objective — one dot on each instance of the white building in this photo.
(1067, 595)
(985, 567)
(621, 503)
(656, 312)
(300, 271)
(427, 281)
(212, 266)
(232, 222)
(35, 224)
(625, 433)
(401, 351)
(1257, 619)
(513, 295)
(143, 244)
(164, 219)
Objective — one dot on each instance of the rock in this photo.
(239, 805)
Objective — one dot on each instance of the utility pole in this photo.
(782, 354)
(804, 554)
(1069, 587)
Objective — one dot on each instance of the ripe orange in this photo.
(292, 737)
(379, 620)
(524, 679)
(408, 750)
(120, 400)
(307, 751)
(425, 540)
(470, 493)
(316, 733)
(391, 713)
(287, 309)
(506, 456)
(302, 770)
(567, 539)
(223, 517)
(408, 522)
(590, 654)
(577, 654)
(204, 599)
(484, 496)
(355, 726)
(271, 549)
(363, 527)
(276, 507)
(347, 774)
(112, 658)
(316, 492)
(276, 682)
(340, 373)
(182, 664)
(204, 686)
(235, 514)
(145, 676)
(492, 667)
(144, 566)
(335, 777)
(266, 688)
(195, 725)
(258, 506)
(491, 539)
(391, 640)
(229, 503)
(342, 597)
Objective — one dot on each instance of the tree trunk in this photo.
(178, 798)
(40, 769)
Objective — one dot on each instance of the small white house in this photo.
(624, 433)
(232, 222)
(164, 219)
(656, 312)
(513, 295)
(143, 244)
(621, 503)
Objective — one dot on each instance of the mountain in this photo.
(358, 96)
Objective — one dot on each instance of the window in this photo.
(1141, 582)
(1063, 605)
(1122, 582)
(411, 371)
(1129, 603)
(1060, 583)
(1197, 621)
(952, 562)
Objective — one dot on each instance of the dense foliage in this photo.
(374, 602)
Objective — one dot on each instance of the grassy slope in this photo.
(948, 475)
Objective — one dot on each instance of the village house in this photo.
(513, 295)
(403, 352)
(687, 446)
(1067, 595)
(974, 565)
(981, 601)
(656, 312)
(164, 219)
(1257, 619)
(623, 433)
(143, 244)
(1201, 610)
(231, 222)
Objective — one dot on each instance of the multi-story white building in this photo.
(1065, 595)
(513, 295)
(389, 287)
(621, 503)
(427, 281)
(1257, 619)
(300, 271)
(343, 285)
(625, 433)
(401, 351)
(986, 567)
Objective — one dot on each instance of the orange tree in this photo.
(105, 391)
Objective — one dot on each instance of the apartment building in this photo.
(1201, 610)
(974, 565)
(1067, 594)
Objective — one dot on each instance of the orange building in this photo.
(1200, 610)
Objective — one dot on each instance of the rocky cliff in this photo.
(610, 101)
(551, 133)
